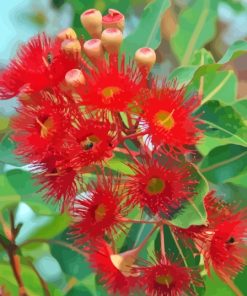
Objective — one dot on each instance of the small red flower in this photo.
(39, 128)
(111, 87)
(168, 119)
(58, 180)
(165, 278)
(161, 188)
(115, 271)
(91, 141)
(39, 65)
(99, 210)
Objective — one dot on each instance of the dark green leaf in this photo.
(224, 162)
(7, 156)
(193, 211)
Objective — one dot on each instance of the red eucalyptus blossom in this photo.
(116, 271)
(112, 86)
(58, 180)
(168, 120)
(91, 141)
(99, 210)
(39, 65)
(165, 278)
(40, 128)
(161, 188)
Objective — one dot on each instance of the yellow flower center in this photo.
(45, 127)
(109, 92)
(155, 186)
(100, 212)
(164, 279)
(164, 119)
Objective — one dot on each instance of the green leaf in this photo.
(224, 162)
(196, 27)
(239, 180)
(8, 195)
(216, 287)
(4, 123)
(223, 121)
(241, 107)
(54, 225)
(118, 166)
(7, 156)
(193, 211)
(234, 51)
(72, 263)
(30, 279)
(221, 86)
(147, 34)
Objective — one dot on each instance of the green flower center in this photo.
(155, 186)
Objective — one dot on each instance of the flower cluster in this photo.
(83, 107)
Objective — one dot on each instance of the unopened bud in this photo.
(93, 49)
(91, 20)
(145, 57)
(74, 78)
(111, 39)
(114, 19)
(68, 33)
(71, 47)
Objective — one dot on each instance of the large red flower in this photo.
(161, 188)
(91, 141)
(115, 272)
(223, 240)
(165, 278)
(168, 120)
(112, 86)
(39, 65)
(39, 128)
(59, 182)
(99, 210)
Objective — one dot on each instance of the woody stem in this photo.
(162, 241)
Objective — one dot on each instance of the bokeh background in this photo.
(64, 270)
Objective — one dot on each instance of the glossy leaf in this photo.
(224, 162)
(8, 195)
(147, 34)
(196, 27)
(234, 51)
(7, 155)
(119, 166)
(193, 211)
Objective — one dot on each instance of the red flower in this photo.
(111, 87)
(58, 180)
(39, 128)
(165, 278)
(114, 270)
(90, 142)
(161, 188)
(39, 65)
(98, 212)
(168, 120)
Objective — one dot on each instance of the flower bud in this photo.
(114, 19)
(71, 47)
(91, 20)
(145, 57)
(74, 78)
(93, 49)
(111, 39)
(68, 33)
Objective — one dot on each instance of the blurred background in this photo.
(64, 270)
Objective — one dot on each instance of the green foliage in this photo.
(146, 35)
(197, 25)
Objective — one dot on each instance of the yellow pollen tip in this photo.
(100, 212)
(109, 92)
(155, 186)
(164, 119)
(164, 279)
(45, 127)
